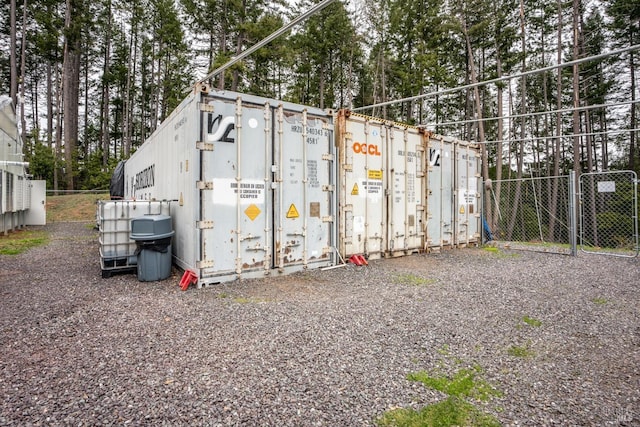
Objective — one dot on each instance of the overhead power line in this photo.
(268, 39)
(537, 113)
(500, 79)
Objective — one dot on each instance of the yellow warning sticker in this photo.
(462, 209)
(252, 211)
(355, 191)
(292, 212)
(374, 174)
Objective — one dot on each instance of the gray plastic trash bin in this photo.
(152, 234)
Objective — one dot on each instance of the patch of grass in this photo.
(523, 351)
(245, 300)
(73, 207)
(498, 252)
(600, 301)
(21, 241)
(413, 280)
(466, 383)
(531, 321)
(449, 412)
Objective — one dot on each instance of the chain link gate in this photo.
(532, 213)
(609, 213)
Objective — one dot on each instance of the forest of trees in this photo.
(93, 79)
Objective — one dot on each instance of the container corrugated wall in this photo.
(382, 186)
(453, 180)
(252, 181)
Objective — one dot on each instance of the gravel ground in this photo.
(328, 348)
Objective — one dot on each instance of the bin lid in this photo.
(151, 227)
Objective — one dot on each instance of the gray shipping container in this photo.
(251, 183)
(453, 198)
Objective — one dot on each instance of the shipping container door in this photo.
(467, 193)
(440, 227)
(235, 170)
(304, 183)
(405, 203)
(362, 146)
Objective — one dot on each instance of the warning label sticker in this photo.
(355, 191)
(374, 174)
(252, 212)
(292, 212)
(228, 191)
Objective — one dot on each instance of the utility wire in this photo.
(268, 39)
(500, 79)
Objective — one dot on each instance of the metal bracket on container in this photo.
(327, 250)
(347, 167)
(328, 188)
(204, 146)
(207, 108)
(328, 156)
(204, 225)
(204, 264)
(204, 185)
(328, 218)
(248, 237)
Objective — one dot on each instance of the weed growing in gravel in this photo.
(600, 301)
(452, 411)
(413, 280)
(498, 252)
(21, 241)
(531, 321)
(523, 351)
(466, 383)
(245, 300)
(455, 410)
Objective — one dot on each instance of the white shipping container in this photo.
(453, 180)
(251, 183)
(382, 186)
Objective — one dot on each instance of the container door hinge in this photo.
(328, 218)
(204, 264)
(328, 156)
(204, 146)
(204, 185)
(204, 225)
(329, 188)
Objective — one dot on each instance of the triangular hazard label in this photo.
(292, 212)
(354, 191)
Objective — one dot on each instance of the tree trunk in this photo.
(553, 209)
(13, 52)
(105, 89)
(632, 125)
(520, 154)
(23, 70)
(71, 85)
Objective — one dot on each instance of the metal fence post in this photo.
(573, 217)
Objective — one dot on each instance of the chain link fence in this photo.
(609, 213)
(529, 213)
(540, 214)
